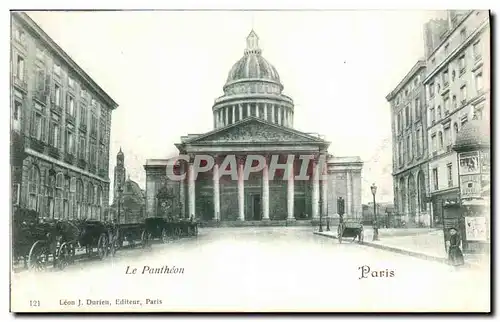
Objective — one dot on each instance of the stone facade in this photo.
(60, 129)
(254, 117)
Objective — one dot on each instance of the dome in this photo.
(252, 65)
(474, 134)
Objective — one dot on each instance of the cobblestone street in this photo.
(258, 270)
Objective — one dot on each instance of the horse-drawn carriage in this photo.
(167, 229)
(350, 229)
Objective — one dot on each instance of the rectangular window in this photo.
(16, 115)
(55, 134)
(434, 143)
(407, 115)
(463, 34)
(417, 109)
(432, 114)
(446, 79)
(408, 146)
(398, 122)
(446, 105)
(435, 178)
(447, 137)
(83, 114)
(71, 106)
(71, 143)
(81, 148)
(439, 116)
(431, 89)
(463, 94)
(57, 95)
(20, 68)
(476, 49)
(400, 152)
(38, 123)
(449, 168)
(479, 82)
(461, 63)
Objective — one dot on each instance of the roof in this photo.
(419, 65)
(54, 47)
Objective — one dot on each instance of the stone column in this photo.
(240, 116)
(315, 190)
(241, 190)
(234, 114)
(265, 111)
(221, 117)
(324, 189)
(279, 114)
(348, 202)
(192, 196)
(333, 198)
(248, 110)
(226, 109)
(182, 192)
(216, 190)
(273, 119)
(285, 116)
(290, 192)
(265, 191)
(257, 111)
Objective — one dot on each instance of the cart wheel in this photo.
(37, 257)
(65, 256)
(102, 246)
(145, 239)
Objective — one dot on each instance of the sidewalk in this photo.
(424, 243)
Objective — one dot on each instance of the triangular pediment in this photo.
(254, 130)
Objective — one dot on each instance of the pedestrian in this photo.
(455, 256)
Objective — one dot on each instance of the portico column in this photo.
(290, 192)
(191, 191)
(285, 116)
(182, 192)
(272, 113)
(233, 119)
(257, 110)
(349, 194)
(241, 190)
(240, 116)
(248, 110)
(216, 190)
(265, 111)
(279, 114)
(315, 190)
(227, 115)
(324, 189)
(265, 190)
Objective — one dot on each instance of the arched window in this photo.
(455, 129)
(99, 202)
(90, 200)
(421, 192)
(51, 187)
(66, 191)
(441, 142)
(402, 199)
(33, 188)
(58, 210)
(79, 198)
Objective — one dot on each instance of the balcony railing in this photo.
(93, 133)
(57, 109)
(37, 145)
(70, 118)
(40, 96)
(69, 158)
(82, 163)
(20, 83)
(93, 168)
(54, 152)
(83, 127)
(103, 173)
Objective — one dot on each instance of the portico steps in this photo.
(256, 223)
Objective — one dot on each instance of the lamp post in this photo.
(375, 223)
(120, 190)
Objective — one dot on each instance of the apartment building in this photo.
(60, 129)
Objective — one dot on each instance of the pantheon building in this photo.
(253, 116)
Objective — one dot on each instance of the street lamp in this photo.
(375, 223)
(120, 191)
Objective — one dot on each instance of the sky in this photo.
(165, 68)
